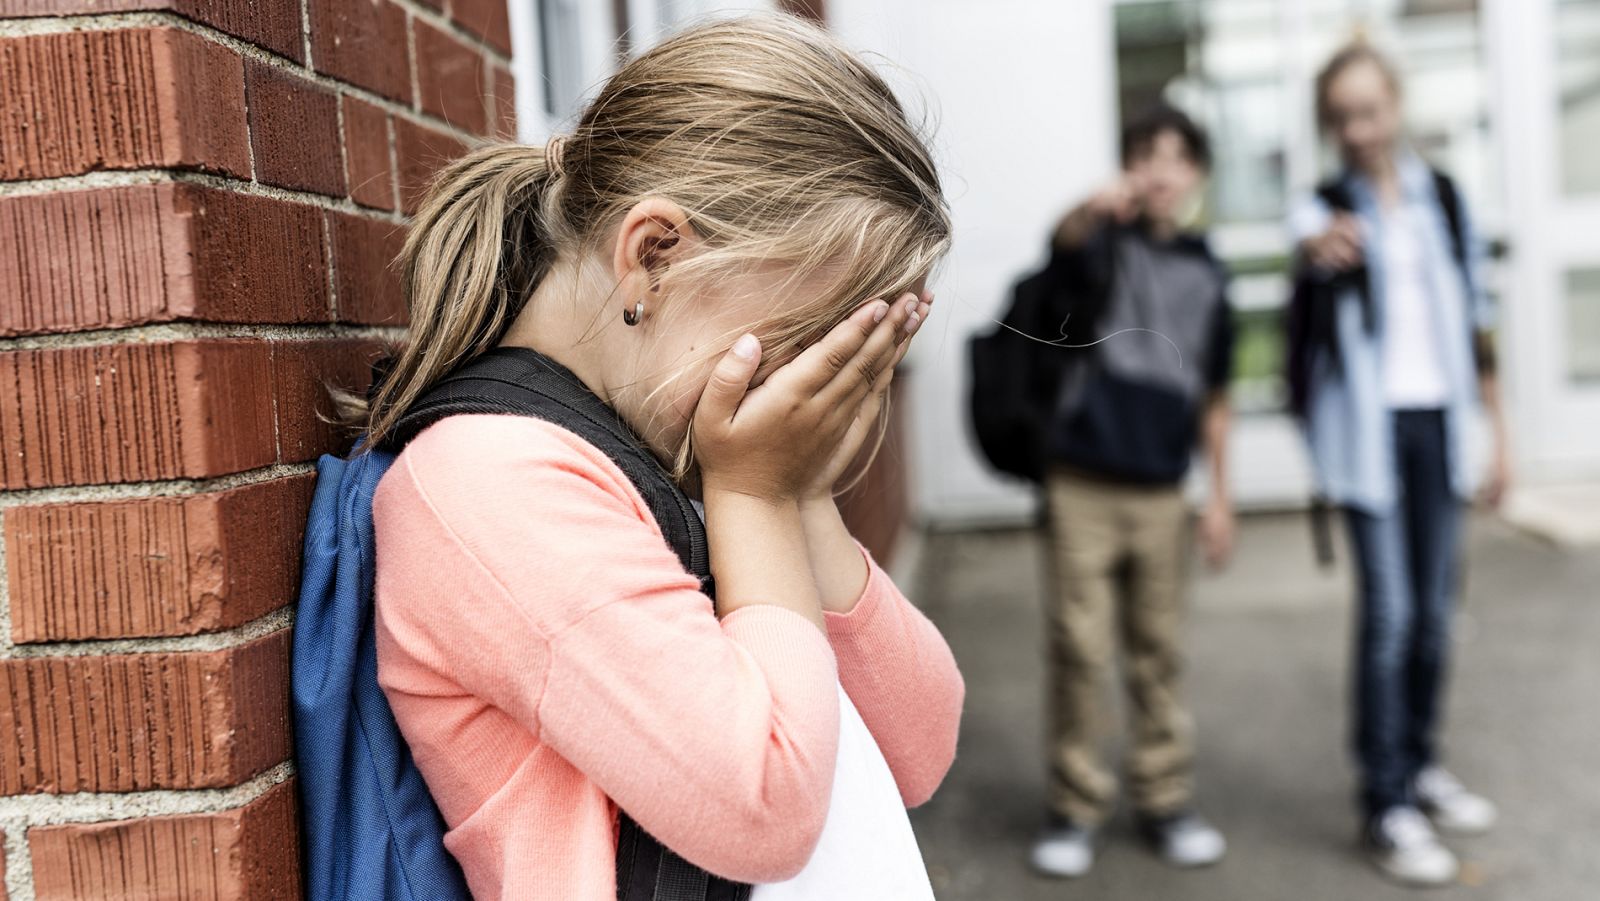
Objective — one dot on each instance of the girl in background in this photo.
(1390, 397)
(729, 251)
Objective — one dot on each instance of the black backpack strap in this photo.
(1483, 349)
(523, 382)
(1336, 194)
(1450, 202)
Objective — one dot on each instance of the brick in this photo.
(362, 42)
(181, 409)
(504, 101)
(247, 852)
(274, 26)
(367, 142)
(129, 99)
(250, 249)
(421, 152)
(366, 281)
(155, 566)
(486, 18)
(450, 79)
(303, 374)
(132, 412)
(115, 257)
(294, 131)
(135, 722)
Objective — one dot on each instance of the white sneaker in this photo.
(1184, 839)
(1063, 849)
(1451, 807)
(1404, 846)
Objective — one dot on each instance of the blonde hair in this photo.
(780, 146)
(1359, 50)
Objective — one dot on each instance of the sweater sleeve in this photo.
(544, 586)
(901, 676)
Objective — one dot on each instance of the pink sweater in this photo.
(548, 658)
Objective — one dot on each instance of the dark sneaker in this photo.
(1184, 839)
(1401, 842)
(1063, 848)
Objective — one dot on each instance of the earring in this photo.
(632, 317)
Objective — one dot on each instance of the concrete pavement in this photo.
(1269, 645)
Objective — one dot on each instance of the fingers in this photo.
(1340, 247)
(730, 380)
(924, 307)
(817, 365)
(877, 354)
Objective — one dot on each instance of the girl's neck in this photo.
(1384, 175)
(559, 321)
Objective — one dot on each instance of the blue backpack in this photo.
(369, 828)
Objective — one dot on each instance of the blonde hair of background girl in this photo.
(780, 146)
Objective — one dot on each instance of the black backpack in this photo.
(1009, 410)
(1310, 319)
(1018, 366)
(524, 382)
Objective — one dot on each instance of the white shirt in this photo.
(867, 851)
(1413, 367)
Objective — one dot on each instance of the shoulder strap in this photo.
(523, 382)
(1336, 194)
(1450, 202)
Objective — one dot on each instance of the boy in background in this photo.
(1150, 300)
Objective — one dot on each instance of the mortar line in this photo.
(411, 57)
(19, 865)
(249, 123)
(155, 488)
(21, 812)
(327, 221)
(158, 18)
(278, 620)
(305, 33)
(159, 332)
(5, 592)
(394, 167)
(143, 177)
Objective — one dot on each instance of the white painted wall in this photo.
(1023, 96)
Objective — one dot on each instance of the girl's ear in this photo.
(654, 234)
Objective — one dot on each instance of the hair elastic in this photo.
(555, 151)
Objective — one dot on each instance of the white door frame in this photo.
(1555, 423)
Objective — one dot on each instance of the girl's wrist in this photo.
(817, 501)
(713, 489)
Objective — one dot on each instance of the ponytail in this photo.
(475, 252)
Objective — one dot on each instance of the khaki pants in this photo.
(1119, 563)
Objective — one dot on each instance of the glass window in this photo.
(1248, 180)
(1243, 68)
(560, 51)
(1578, 72)
(1583, 326)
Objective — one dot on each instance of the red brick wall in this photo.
(198, 203)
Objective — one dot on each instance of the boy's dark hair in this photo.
(1140, 134)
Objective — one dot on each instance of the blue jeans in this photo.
(1406, 564)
